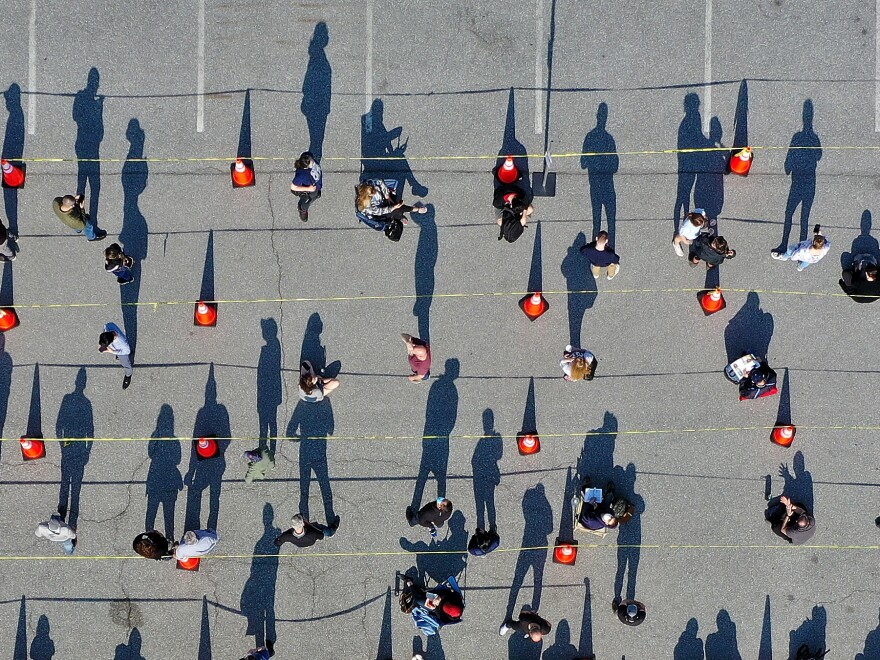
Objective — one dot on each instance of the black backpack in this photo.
(511, 226)
(394, 230)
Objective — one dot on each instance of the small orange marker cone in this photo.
(206, 448)
(205, 314)
(8, 319)
(534, 305)
(32, 448)
(242, 173)
(508, 173)
(565, 552)
(528, 443)
(784, 435)
(189, 564)
(741, 162)
(712, 301)
(13, 176)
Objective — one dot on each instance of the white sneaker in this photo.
(776, 255)
(611, 277)
(677, 248)
(503, 630)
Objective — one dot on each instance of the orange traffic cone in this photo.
(242, 173)
(32, 448)
(8, 319)
(528, 443)
(565, 552)
(13, 176)
(189, 564)
(534, 305)
(508, 173)
(741, 161)
(712, 301)
(206, 448)
(784, 435)
(206, 314)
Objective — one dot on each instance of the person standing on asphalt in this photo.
(118, 263)
(112, 340)
(859, 281)
(314, 387)
(694, 223)
(601, 256)
(630, 612)
(58, 531)
(791, 521)
(711, 249)
(7, 253)
(530, 624)
(262, 653)
(196, 543)
(307, 182)
(431, 516)
(806, 252)
(304, 533)
(419, 355)
(72, 212)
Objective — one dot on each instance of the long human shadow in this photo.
(511, 146)
(432, 649)
(629, 535)
(597, 456)
(317, 89)
(689, 645)
(135, 233)
(6, 367)
(811, 632)
(709, 183)
(722, 644)
(270, 389)
(258, 596)
(20, 650)
(312, 349)
(164, 481)
(765, 650)
(536, 534)
(13, 149)
(585, 642)
(245, 145)
(132, 650)
(864, 243)
(313, 423)
(441, 413)
(204, 650)
(35, 410)
(7, 286)
(578, 277)
(485, 471)
(212, 419)
(801, 163)
(424, 265)
(872, 646)
(749, 330)
(453, 559)
(562, 648)
(88, 113)
(377, 142)
(42, 646)
(386, 644)
(75, 419)
(690, 136)
(798, 485)
(600, 172)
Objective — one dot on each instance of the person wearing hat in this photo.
(530, 624)
(262, 653)
(630, 612)
(304, 533)
(196, 543)
(432, 515)
(757, 381)
(153, 545)
(58, 531)
(260, 462)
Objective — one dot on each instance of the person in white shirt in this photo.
(196, 544)
(806, 252)
(113, 340)
(58, 531)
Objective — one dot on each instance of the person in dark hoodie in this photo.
(713, 250)
(304, 533)
(860, 281)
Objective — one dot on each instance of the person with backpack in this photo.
(118, 263)
(515, 204)
(308, 180)
(378, 207)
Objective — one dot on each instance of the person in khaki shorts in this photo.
(601, 255)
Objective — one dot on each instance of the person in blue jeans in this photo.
(71, 210)
(262, 653)
(118, 263)
(307, 182)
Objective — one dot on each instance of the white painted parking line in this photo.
(368, 67)
(539, 66)
(200, 75)
(707, 70)
(32, 69)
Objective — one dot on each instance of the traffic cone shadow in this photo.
(783, 414)
(206, 292)
(765, 650)
(7, 297)
(585, 643)
(566, 520)
(385, 649)
(511, 146)
(244, 154)
(536, 271)
(741, 119)
(35, 412)
(20, 652)
(529, 420)
(205, 633)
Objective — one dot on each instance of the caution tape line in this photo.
(571, 154)
(543, 436)
(415, 296)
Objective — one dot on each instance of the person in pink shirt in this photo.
(419, 355)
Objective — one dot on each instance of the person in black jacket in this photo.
(860, 281)
(304, 533)
(757, 382)
(153, 545)
(432, 515)
(530, 624)
(711, 249)
(515, 204)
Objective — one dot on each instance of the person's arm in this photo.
(286, 537)
(304, 189)
(847, 277)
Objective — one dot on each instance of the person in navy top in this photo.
(307, 182)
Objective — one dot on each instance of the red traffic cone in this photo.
(528, 443)
(712, 301)
(565, 552)
(508, 173)
(534, 305)
(741, 161)
(189, 564)
(205, 314)
(32, 448)
(206, 448)
(8, 319)
(784, 435)
(242, 173)
(13, 176)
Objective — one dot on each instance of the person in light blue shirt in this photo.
(806, 252)
(113, 340)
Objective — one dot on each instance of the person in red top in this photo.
(419, 355)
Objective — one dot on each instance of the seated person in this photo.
(758, 381)
(443, 603)
(594, 514)
(515, 204)
(860, 281)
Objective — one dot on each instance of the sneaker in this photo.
(99, 237)
(303, 215)
(610, 276)
(126, 382)
(677, 248)
(14, 255)
(776, 255)
(504, 629)
(334, 524)
(123, 282)
(615, 604)
(409, 513)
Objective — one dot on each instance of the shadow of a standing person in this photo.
(864, 243)
(709, 184)
(88, 113)
(578, 278)
(312, 349)
(212, 419)
(76, 419)
(317, 89)
(689, 646)
(629, 535)
(690, 136)
(258, 596)
(132, 650)
(5, 383)
(378, 143)
(13, 149)
(597, 456)
(425, 263)
(722, 645)
(600, 172)
(804, 154)
(562, 648)
(536, 534)
(313, 423)
(811, 632)
(42, 646)
(485, 472)
(135, 233)
(269, 385)
(798, 485)
(872, 646)
(749, 330)
(441, 557)
(164, 481)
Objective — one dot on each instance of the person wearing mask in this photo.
(308, 179)
(691, 227)
(196, 543)
(118, 263)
